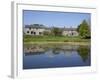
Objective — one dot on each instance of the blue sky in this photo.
(59, 19)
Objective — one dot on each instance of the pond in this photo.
(54, 56)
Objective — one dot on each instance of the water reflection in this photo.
(84, 52)
(80, 55)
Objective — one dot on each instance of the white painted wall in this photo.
(5, 39)
(37, 31)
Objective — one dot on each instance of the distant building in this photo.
(35, 29)
(38, 29)
(70, 32)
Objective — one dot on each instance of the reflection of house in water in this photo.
(67, 51)
(33, 50)
(33, 53)
(51, 51)
(70, 47)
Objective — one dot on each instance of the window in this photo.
(40, 33)
(72, 33)
(34, 33)
(27, 31)
(31, 32)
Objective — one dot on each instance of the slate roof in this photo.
(69, 29)
(40, 26)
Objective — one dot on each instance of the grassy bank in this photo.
(55, 39)
(59, 43)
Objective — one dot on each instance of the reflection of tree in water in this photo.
(84, 52)
(56, 51)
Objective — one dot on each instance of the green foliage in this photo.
(84, 30)
(78, 28)
(50, 38)
(46, 33)
(84, 51)
(56, 31)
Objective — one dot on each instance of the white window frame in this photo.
(17, 41)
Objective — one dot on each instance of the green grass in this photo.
(28, 38)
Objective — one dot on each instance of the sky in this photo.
(57, 19)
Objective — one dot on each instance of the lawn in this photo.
(28, 38)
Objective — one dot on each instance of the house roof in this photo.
(69, 29)
(41, 26)
(38, 26)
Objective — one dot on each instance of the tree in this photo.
(78, 28)
(56, 31)
(84, 30)
(46, 33)
(84, 52)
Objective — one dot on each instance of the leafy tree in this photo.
(84, 30)
(46, 33)
(56, 31)
(78, 28)
(84, 52)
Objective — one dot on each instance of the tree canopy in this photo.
(56, 31)
(84, 30)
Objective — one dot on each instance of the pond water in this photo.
(54, 55)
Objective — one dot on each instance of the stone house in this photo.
(33, 31)
(39, 29)
(36, 29)
(70, 32)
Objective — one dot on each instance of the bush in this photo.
(84, 30)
